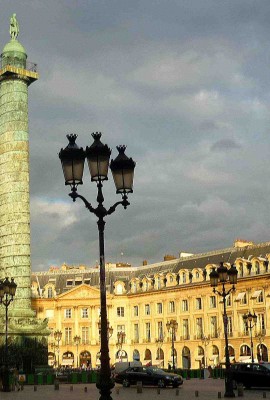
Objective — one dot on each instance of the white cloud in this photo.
(58, 213)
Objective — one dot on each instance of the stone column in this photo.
(14, 191)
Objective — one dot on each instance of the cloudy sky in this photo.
(185, 85)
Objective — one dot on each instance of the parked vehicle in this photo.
(148, 376)
(123, 365)
(251, 374)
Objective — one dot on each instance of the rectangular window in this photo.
(184, 305)
(213, 327)
(160, 335)
(199, 328)
(147, 309)
(213, 302)
(69, 282)
(85, 313)
(120, 312)
(261, 324)
(228, 300)
(135, 311)
(229, 326)
(244, 299)
(121, 338)
(185, 329)
(260, 298)
(85, 335)
(136, 333)
(68, 336)
(171, 307)
(67, 313)
(159, 308)
(148, 331)
(198, 303)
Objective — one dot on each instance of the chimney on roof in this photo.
(242, 243)
(169, 257)
(144, 262)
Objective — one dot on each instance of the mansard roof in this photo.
(59, 277)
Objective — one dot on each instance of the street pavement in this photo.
(201, 389)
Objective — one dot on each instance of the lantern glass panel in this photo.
(98, 167)
(73, 171)
(123, 180)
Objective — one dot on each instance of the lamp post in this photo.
(224, 275)
(260, 335)
(172, 326)
(77, 340)
(122, 167)
(7, 293)
(57, 337)
(109, 329)
(250, 320)
(205, 342)
(120, 340)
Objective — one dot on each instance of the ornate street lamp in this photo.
(122, 168)
(77, 341)
(7, 293)
(57, 337)
(109, 329)
(120, 340)
(205, 341)
(224, 275)
(172, 326)
(250, 320)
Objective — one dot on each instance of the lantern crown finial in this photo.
(72, 138)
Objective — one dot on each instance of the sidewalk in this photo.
(201, 389)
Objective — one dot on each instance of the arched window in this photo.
(241, 270)
(257, 268)
(136, 355)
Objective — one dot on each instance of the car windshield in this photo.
(266, 365)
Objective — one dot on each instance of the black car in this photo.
(251, 374)
(148, 376)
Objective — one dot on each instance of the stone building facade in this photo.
(142, 300)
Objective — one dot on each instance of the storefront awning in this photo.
(256, 294)
(240, 296)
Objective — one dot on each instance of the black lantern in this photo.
(72, 159)
(213, 278)
(122, 169)
(222, 273)
(98, 157)
(232, 274)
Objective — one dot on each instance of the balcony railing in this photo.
(18, 63)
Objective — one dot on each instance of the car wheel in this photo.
(161, 383)
(176, 385)
(126, 383)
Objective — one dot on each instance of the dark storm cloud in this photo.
(185, 84)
